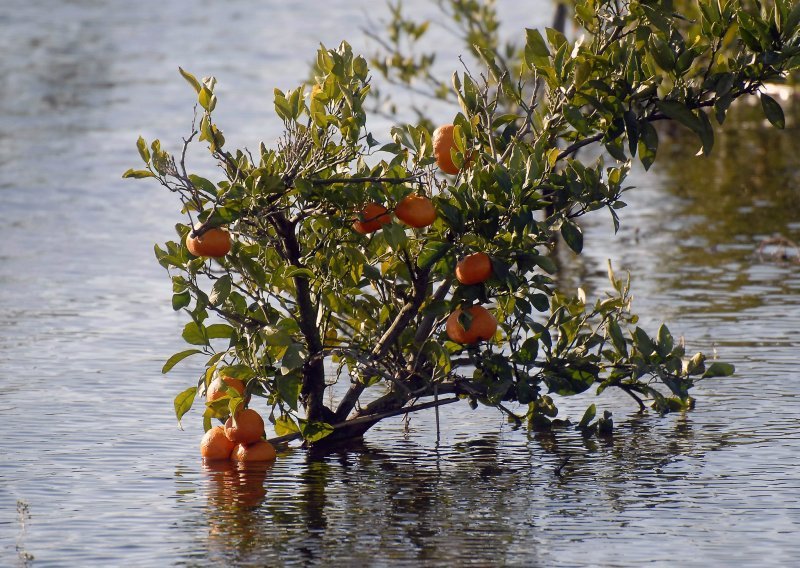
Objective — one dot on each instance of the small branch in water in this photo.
(371, 418)
(629, 391)
(557, 471)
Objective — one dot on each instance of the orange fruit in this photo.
(215, 445)
(443, 143)
(245, 427)
(416, 211)
(215, 390)
(374, 217)
(260, 451)
(474, 268)
(482, 327)
(215, 242)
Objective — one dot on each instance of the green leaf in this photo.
(569, 381)
(298, 272)
(527, 353)
(588, 416)
(144, 152)
(664, 340)
(535, 43)
(617, 338)
(706, 132)
(573, 236)
(289, 388)
(792, 20)
(632, 129)
(313, 431)
(177, 358)
(138, 174)
(183, 402)
(540, 301)
(431, 253)
(206, 99)
(555, 37)
(662, 53)
(276, 337)
(680, 112)
(285, 425)
(717, 369)
(773, 111)
(203, 184)
(181, 300)
(190, 79)
(643, 342)
(220, 290)
(293, 358)
(648, 144)
(219, 331)
(194, 334)
(395, 235)
(546, 263)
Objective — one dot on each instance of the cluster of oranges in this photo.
(414, 210)
(418, 211)
(240, 439)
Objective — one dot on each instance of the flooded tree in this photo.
(418, 264)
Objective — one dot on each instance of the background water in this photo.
(93, 471)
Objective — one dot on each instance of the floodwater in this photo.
(94, 472)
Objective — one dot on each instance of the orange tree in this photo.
(320, 274)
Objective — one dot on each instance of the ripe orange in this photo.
(474, 269)
(216, 392)
(374, 217)
(416, 211)
(260, 451)
(482, 327)
(215, 445)
(214, 243)
(442, 145)
(245, 427)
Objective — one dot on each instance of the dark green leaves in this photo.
(696, 120)
(772, 110)
(573, 236)
(289, 388)
(314, 431)
(569, 381)
(181, 300)
(220, 291)
(680, 112)
(648, 144)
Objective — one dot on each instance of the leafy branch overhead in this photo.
(334, 257)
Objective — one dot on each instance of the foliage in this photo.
(301, 289)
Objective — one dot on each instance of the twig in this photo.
(371, 418)
(560, 467)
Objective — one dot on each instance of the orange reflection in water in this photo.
(235, 493)
(233, 485)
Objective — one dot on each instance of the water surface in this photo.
(94, 472)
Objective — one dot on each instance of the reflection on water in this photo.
(87, 437)
(502, 498)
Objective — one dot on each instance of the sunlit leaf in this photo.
(718, 369)
(183, 402)
(177, 358)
